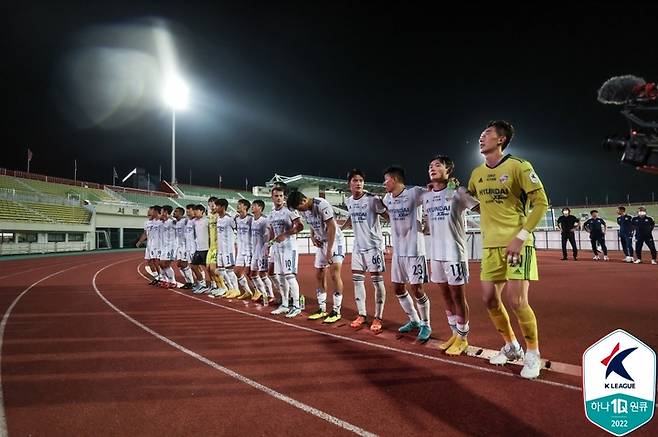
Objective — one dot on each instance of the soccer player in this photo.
(217, 283)
(149, 253)
(367, 252)
(596, 227)
(625, 233)
(330, 243)
(284, 224)
(201, 243)
(445, 206)
(243, 260)
(408, 265)
(156, 244)
(568, 224)
(168, 247)
(183, 256)
(506, 186)
(259, 257)
(226, 247)
(644, 225)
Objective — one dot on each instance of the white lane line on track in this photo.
(33, 269)
(375, 345)
(3, 324)
(275, 394)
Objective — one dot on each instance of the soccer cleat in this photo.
(628, 259)
(153, 282)
(198, 289)
(653, 261)
(294, 312)
(333, 317)
(605, 258)
(245, 295)
(424, 333)
(280, 310)
(531, 365)
(376, 326)
(232, 294)
(596, 257)
(358, 322)
(408, 327)
(637, 261)
(458, 347)
(446, 344)
(319, 314)
(507, 353)
(257, 296)
(211, 291)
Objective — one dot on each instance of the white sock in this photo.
(380, 296)
(227, 282)
(322, 299)
(258, 283)
(424, 309)
(360, 293)
(452, 321)
(338, 301)
(244, 284)
(514, 343)
(154, 273)
(283, 290)
(274, 281)
(233, 279)
(462, 329)
(187, 273)
(268, 286)
(293, 285)
(407, 305)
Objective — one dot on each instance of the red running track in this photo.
(116, 357)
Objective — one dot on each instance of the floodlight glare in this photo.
(176, 93)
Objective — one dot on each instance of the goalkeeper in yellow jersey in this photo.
(512, 203)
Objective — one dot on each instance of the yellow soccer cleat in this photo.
(245, 295)
(257, 296)
(446, 344)
(458, 347)
(232, 294)
(333, 317)
(319, 314)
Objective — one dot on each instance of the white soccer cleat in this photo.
(507, 353)
(628, 259)
(653, 261)
(596, 257)
(294, 312)
(637, 261)
(531, 365)
(605, 258)
(281, 310)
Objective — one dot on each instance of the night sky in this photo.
(319, 88)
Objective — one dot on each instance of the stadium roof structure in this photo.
(302, 180)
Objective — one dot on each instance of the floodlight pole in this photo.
(173, 146)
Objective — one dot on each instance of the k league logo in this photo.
(619, 383)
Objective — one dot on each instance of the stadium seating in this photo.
(15, 212)
(66, 191)
(61, 213)
(192, 190)
(146, 199)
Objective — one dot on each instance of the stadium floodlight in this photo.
(175, 96)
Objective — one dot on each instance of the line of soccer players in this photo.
(501, 189)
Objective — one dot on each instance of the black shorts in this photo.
(199, 258)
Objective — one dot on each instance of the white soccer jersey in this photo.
(225, 234)
(259, 235)
(281, 221)
(446, 219)
(405, 214)
(156, 230)
(168, 234)
(201, 233)
(317, 216)
(243, 231)
(364, 215)
(190, 243)
(148, 230)
(180, 233)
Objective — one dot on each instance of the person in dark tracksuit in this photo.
(643, 225)
(625, 233)
(568, 225)
(596, 227)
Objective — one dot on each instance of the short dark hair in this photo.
(279, 188)
(446, 161)
(199, 207)
(623, 208)
(168, 208)
(504, 129)
(566, 208)
(222, 202)
(259, 203)
(295, 199)
(395, 172)
(355, 172)
(593, 211)
(211, 199)
(245, 202)
(157, 208)
(181, 210)
(189, 206)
